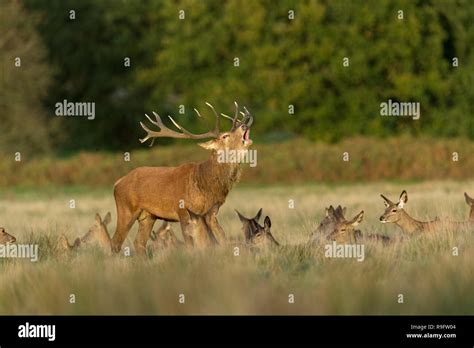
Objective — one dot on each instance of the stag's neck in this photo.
(409, 224)
(217, 178)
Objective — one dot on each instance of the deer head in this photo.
(164, 238)
(255, 233)
(344, 231)
(326, 225)
(6, 238)
(98, 232)
(394, 211)
(237, 138)
(198, 230)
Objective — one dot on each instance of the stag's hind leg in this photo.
(145, 222)
(125, 220)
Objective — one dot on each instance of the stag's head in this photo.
(393, 211)
(6, 238)
(237, 138)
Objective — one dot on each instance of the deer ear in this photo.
(107, 219)
(267, 222)
(209, 145)
(213, 210)
(241, 217)
(403, 199)
(358, 219)
(386, 201)
(98, 219)
(259, 214)
(469, 200)
(331, 211)
(326, 211)
(192, 216)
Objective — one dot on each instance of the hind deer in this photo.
(343, 231)
(166, 192)
(395, 213)
(164, 238)
(6, 238)
(254, 233)
(327, 224)
(470, 202)
(197, 229)
(335, 227)
(97, 235)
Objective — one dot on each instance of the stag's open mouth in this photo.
(246, 138)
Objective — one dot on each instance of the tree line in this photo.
(316, 69)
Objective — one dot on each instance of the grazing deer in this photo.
(165, 192)
(470, 202)
(97, 235)
(254, 233)
(6, 238)
(164, 238)
(64, 245)
(395, 213)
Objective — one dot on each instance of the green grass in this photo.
(215, 281)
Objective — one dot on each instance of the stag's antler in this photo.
(247, 117)
(184, 134)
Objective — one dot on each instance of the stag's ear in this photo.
(403, 199)
(98, 219)
(358, 219)
(210, 145)
(107, 219)
(259, 214)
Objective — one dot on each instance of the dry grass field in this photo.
(422, 268)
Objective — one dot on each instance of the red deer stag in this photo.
(149, 193)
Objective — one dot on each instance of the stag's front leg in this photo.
(146, 222)
(216, 228)
(183, 221)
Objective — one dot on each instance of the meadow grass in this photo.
(215, 281)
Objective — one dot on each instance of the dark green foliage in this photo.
(282, 62)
